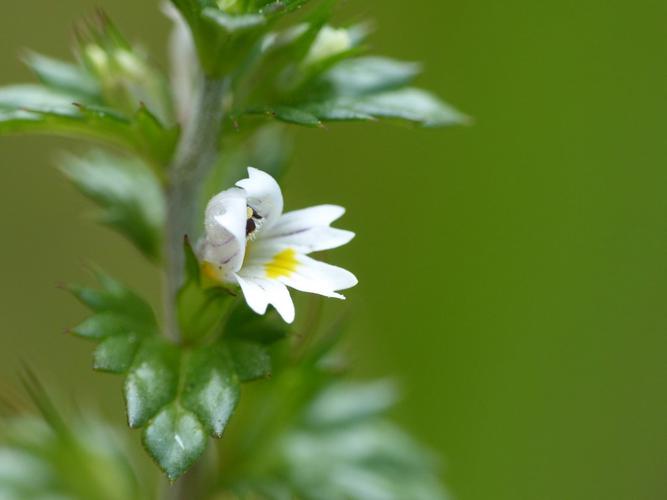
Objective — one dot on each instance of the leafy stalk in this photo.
(258, 67)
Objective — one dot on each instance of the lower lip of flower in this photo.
(283, 264)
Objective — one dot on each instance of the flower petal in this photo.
(259, 292)
(225, 225)
(298, 271)
(255, 296)
(319, 215)
(264, 195)
(308, 230)
(318, 277)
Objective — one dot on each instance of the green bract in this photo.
(129, 194)
(177, 394)
(40, 109)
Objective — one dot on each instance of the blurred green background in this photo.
(512, 273)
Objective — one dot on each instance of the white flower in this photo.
(250, 242)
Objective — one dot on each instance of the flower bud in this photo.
(329, 42)
(127, 79)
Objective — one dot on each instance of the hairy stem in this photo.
(196, 155)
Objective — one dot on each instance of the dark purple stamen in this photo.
(250, 226)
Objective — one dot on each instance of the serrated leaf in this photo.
(343, 403)
(127, 191)
(152, 381)
(102, 325)
(37, 109)
(169, 389)
(356, 454)
(116, 299)
(409, 104)
(175, 439)
(62, 75)
(36, 97)
(115, 354)
(211, 388)
(252, 360)
(366, 75)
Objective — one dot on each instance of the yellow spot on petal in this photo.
(283, 264)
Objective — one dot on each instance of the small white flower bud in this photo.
(329, 42)
(97, 58)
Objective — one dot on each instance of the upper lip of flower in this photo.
(277, 257)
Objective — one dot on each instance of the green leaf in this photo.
(252, 360)
(344, 403)
(246, 325)
(64, 76)
(106, 324)
(335, 84)
(175, 439)
(129, 194)
(116, 353)
(211, 387)
(282, 58)
(222, 39)
(36, 97)
(235, 38)
(152, 381)
(122, 321)
(37, 109)
(178, 393)
(116, 298)
(367, 75)
(373, 459)
(181, 403)
(338, 444)
(408, 104)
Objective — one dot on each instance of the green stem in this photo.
(195, 156)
